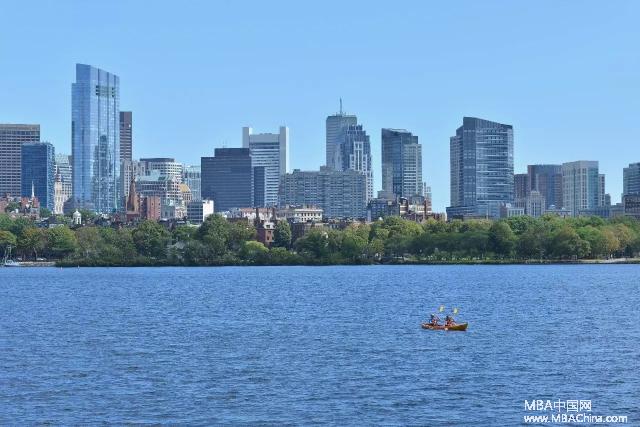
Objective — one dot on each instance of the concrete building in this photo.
(38, 172)
(131, 170)
(300, 213)
(340, 194)
(271, 152)
(166, 166)
(535, 204)
(581, 185)
(126, 136)
(12, 136)
(199, 210)
(166, 187)
(481, 158)
(401, 164)
(95, 139)
(521, 185)
(227, 178)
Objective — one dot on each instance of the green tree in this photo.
(282, 235)
(253, 252)
(7, 239)
(501, 238)
(60, 241)
(314, 245)
(31, 241)
(45, 213)
(239, 233)
(151, 239)
(214, 234)
(89, 240)
(565, 242)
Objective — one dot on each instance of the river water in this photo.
(325, 345)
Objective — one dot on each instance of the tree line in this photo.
(392, 240)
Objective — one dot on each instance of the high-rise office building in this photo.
(166, 166)
(335, 127)
(356, 154)
(520, 185)
(62, 187)
(95, 139)
(481, 156)
(192, 177)
(581, 186)
(12, 136)
(126, 135)
(602, 193)
(271, 152)
(38, 172)
(547, 180)
(227, 178)
(130, 170)
(341, 194)
(401, 164)
(631, 179)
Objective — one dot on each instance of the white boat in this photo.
(11, 263)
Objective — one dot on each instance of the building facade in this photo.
(547, 180)
(95, 139)
(165, 166)
(271, 152)
(38, 172)
(199, 210)
(580, 186)
(401, 164)
(481, 160)
(126, 135)
(631, 179)
(12, 136)
(227, 178)
(335, 126)
(192, 177)
(520, 185)
(340, 194)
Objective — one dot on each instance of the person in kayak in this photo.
(434, 320)
(448, 321)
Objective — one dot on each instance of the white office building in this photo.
(271, 151)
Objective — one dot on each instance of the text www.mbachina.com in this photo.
(575, 418)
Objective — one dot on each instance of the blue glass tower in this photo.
(481, 155)
(95, 139)
(38, 172)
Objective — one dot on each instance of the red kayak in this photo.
(456, 327)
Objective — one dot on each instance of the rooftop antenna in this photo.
(340, 106)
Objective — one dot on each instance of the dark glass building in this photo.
(12, 136)
(481, 157)
(401, 163)
(38, 172)
(547, 180)
(521, 185)
(227, 178)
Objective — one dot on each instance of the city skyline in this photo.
(563, 106)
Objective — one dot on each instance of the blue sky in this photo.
(563, 73)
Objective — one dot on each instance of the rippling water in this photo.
(303, 345)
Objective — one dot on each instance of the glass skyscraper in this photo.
(38, 172)
(95, 136)
(481, 157)
(227, 178)
(336, 124)
(12, 136)
(547, 180)
(631, 179)
(582, 186)
(401, 164)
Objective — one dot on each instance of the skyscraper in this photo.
(481, 156)
(95, 139)
(227, 178)
(547, 180)
(336, 124)
(631, 179)
(166, 166)
(126, 135)
(192, 177)
(12, 136)
(521, 185)
(270, 151)
(38, 172)
(341, 194)
(401, 164)
(356, 154)
(581, 186)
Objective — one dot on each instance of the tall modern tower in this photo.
(12, 136)
(271, 151)
(95, 139)
(38, 172)
(355, 154)
(336, 124)
(401, 163)
(631, 179)
(481, 157)
(581, 186)
(126, 135)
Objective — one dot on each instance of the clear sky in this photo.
(565, 74)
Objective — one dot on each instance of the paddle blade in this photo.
(441, 308)
(455, 310)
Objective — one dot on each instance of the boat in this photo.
(456, 327)
(11, 263)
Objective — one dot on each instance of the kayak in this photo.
(456, 327)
